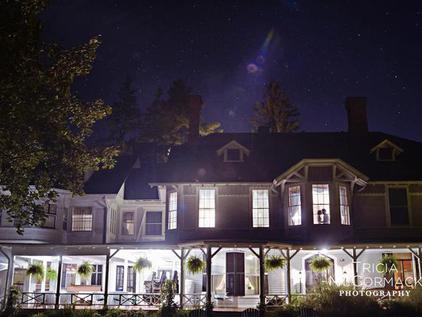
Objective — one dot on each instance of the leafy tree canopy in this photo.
(275, 111)
(43, 125)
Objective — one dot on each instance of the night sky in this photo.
(321, 52)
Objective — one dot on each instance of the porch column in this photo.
(355, 256)
(208, 270)
(10, 268)
(59, 282)
(261, 258)
(289, 256)
(417, 255)
(107, 271)
(182, 276)
(420, 262)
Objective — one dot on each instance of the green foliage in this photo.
(274, 262)
(36, 270)
(275, 111)
(166, 121)
(168, 292)
(44, 126)
(12, 306)
(388, 262)
(39, 315)
(142, 264)
(284, 311)
(320, 264)
(51, 274)
(326, 300)
(85, 270)
(406, 305)
(195, 265)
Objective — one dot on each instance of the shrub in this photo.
(326, 300)
(195, 264)
(12, 302)
(405, 306)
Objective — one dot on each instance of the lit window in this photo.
(344, 206)
(207, 208)
(399, 210)
(153, 223)
(172, 221)
(128, 223)
(294, 206)
(321, 203)
(260, 208)
(82, 219)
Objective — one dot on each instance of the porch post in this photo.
(289, 283)
(107, 270)
(355, 268)
(59, 282)
(261, 276)
(182, 276)
(420, 262)
(209, 260)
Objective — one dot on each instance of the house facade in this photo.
(232, 200)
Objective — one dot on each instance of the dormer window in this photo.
(386, 151)
(233, 152)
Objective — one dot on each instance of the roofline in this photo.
(395, 146)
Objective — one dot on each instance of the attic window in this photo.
(386, 151)
(233, 155)
(233, 152)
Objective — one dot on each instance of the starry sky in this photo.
(320, 51)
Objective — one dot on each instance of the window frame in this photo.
(265, 210)
(120, 277)
(51, 213)
(153, 223)
(124, 222)
(72, 228)
(172, 213)
(131, 279)
(348, 205)
(213, 210)
(321, 204)
(291, 206)
(388, 205)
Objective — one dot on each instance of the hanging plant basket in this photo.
(195, 265)
(85, 270)
(51, 274)
(320, 264)
(36, 271)
(142, 264)
(274, 262)
(387, 262)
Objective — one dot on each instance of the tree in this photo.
(43, 125)
(125, 118)
(166, 121)
(275, 110)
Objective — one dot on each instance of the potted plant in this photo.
(85, 270)
(320, 264)
(36, 271)
(51, 274)
(389, 264)
(195, 265)
(142, 264)
(274, 262)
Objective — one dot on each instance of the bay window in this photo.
(172, 220)
(206, 208)
(321, 203)
(344, 206)
(294, 205)
(260, 208)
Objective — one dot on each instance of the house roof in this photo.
(272, 154)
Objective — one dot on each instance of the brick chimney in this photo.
(356, 115)
(195, 103)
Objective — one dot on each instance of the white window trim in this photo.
(288, 205)
(172, 225)
(92, 219)
(199, 209)
(387, 206)
(268, 209)
(122, 212)
(348, 204)
(329, 203)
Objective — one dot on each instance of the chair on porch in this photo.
(251, 312)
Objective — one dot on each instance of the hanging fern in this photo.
(51, 274)
(85, 270)
(36, 271)
(274, 262)
(142, 264)
(195, 265)
(388, 262)
(320, 264)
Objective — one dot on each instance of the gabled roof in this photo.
(233, 145)
(272, 154)
(384, 144)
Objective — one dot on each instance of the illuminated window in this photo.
(260, 208)
(153, 223)
(128, 223)
(321, 203)
(344, 206)
(82, 219)
(207, 208)
(172, 221)
(294, 206)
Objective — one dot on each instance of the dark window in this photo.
(97, 274)
(131, 279)
(233, 155)
(120, 272)
(385, 154)
(399, 211)
(153, 223)
(50, 211)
